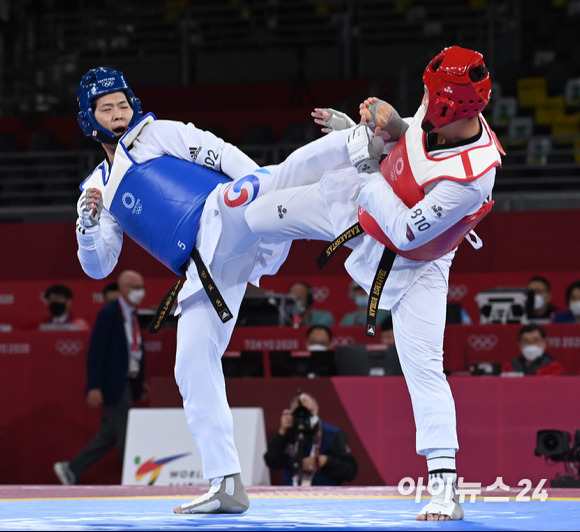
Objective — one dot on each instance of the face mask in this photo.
(136, 296)
(539, 301)
(57, 308)
(531, 352)
(361, 301)
(300, 307)
(317, 347)
(575, 308)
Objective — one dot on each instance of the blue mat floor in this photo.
(287, 510)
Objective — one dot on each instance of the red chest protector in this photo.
(409, 169)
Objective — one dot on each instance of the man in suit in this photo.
(115, 369)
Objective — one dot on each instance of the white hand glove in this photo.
(364, 149)
(338, 121)
(89, 210)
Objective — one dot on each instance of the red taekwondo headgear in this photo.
(458, 87)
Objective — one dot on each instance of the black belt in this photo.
(352, 232)
(385, 265)
(209, 286)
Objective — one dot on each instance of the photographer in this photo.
(309, 450)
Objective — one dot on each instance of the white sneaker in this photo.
(229, 497)
(64, 474)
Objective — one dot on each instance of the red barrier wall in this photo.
(517, 245)
(44, 418)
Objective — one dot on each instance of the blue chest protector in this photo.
(159, 203)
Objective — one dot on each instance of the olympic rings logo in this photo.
(69, 347)
(320, 293)
(457, 292)
(344, 340)
(482, 342)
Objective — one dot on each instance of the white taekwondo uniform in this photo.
(157, 195)
(415, 290)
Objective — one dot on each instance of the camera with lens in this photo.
(302, 422)
(556, 445)
(302, 433)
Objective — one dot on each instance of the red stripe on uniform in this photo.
(467, 164)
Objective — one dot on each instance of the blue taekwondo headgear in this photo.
(99, 82)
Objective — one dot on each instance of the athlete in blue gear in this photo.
(170, 189)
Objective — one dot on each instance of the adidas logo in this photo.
(194, 152)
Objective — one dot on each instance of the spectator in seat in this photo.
(59, 299)
(319, 338)
(312, 452)
(359, 316)
(533, 359)
(544, 310)
(305, 314)
(573, 301)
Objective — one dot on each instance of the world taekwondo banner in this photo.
(161, 451)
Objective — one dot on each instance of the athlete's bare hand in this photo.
(331, 119)
(94, 203)
(320, 117)
(384, 112)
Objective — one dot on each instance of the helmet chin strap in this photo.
(104, 139)
(427, 126)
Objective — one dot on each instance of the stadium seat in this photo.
(531, 91)
(576, 145)
(504, 109)
(548, 110)
(520, 129)
(8, 143)
(257, 134)
(572, 92)
(538, 150)
(566, 126)
(42, 141)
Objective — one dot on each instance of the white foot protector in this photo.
(442, 507)
(229, 497)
